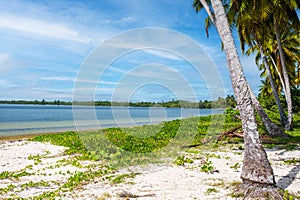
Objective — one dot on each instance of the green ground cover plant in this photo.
(207, 167)
(122, 147)
(181, 160)
(151, 143)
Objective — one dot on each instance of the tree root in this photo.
(254, 190)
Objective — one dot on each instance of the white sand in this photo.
(154, 182)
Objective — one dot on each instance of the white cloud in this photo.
(6, 84)
(51, 90)
(163, 54)
(94, 82)
(119, 22)
(58, 78)
(154, 71)
(43, 28)
(107, 83)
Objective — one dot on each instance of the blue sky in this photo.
(45, 43)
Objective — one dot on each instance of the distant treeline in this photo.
(36, 102)
(229, 101)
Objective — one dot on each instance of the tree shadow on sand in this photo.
(288, 179)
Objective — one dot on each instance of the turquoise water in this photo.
(31, 119)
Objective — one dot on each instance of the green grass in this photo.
(68, 139)
(124, 139)
(142, 144)
(290, 143)
(153, 143)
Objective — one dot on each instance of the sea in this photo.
(33, 119)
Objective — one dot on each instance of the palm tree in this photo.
(291, 48)
(283, 119)
(253, 32)
(231, 9)
(258, 16)
(257, 173)
(272, 66)
(284, 12)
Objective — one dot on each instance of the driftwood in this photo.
(199, 144)
(229, 133)
(232, 133)
(240, 134)
(190, 146)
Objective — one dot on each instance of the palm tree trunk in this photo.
(283, 119)
(257, 173)
(272, 128)
(288, 95)
(279, 74)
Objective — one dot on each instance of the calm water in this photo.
(29, 119)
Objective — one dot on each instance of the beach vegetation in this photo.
(13, 175)
(211, 190)
(104, 196)
(118, 143)
(76, 180)
(207, 166)
(236, 166)
(7, 189)
(292, 161)
(122, 177)
(112, 144)
(35, 158)
(215, 182)
(35, 184)
(213, 155)
(181, 160)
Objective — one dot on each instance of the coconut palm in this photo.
(271, 127)
(272, 64)
(254, 19)
(291, 48)
(257, 173)
(283, 14)
(254, 32)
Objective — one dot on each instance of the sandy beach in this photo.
(33, 169)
